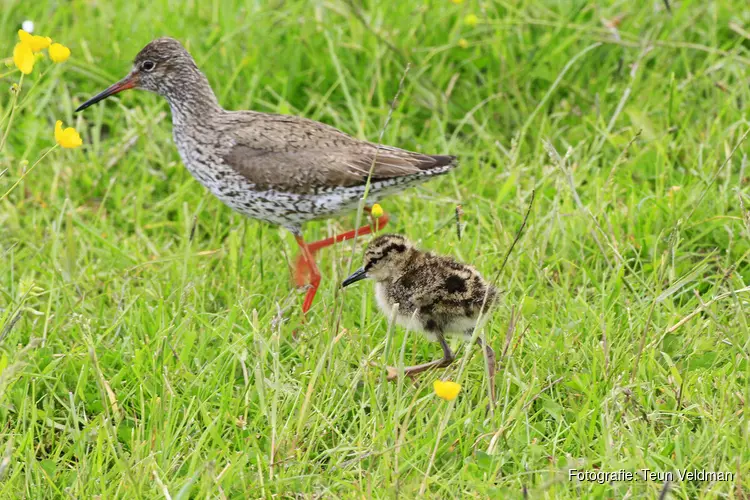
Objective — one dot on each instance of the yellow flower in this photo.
(463, 43)
(446, 389)
(471, 20)
(35, 42)
(67, 138)
(23, 58)
(59, 52)
(376, 211)
(457, 2)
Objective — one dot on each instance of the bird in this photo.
(280, 169)
(436, 295)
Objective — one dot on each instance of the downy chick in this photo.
(436, 295)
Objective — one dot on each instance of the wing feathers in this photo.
(303, 156)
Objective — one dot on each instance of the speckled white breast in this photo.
(409, 320)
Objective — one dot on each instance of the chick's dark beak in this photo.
(128, 82)
(358, 275)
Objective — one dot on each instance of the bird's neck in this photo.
(193, 99)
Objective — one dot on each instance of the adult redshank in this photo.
(284, 170)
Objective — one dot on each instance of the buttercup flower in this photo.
(471, 20)
(376, 211)
(23, 58)
(446, 389)
(463, 43)
(35, 42)
(67, 138)
(59, 52)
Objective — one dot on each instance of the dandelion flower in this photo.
(23, 58)
(463, 43)
(59, 52)
(471, 20)
(35, 42)
(446, 389)
(376, 211)
(67, 138)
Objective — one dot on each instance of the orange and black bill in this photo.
(126, 83)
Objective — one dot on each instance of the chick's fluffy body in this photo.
(436, 294)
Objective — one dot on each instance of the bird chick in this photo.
(436, 295)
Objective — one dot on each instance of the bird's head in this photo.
(163, 66)
(385, 257)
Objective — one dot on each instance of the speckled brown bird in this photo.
(284, 170)
(436, 295)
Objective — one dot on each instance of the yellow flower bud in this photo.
(446, 390)
(471, 20)
(23, 58)
(59, 52)
(376, 211)
(35, 42)
(67, 138)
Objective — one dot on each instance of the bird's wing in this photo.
(447, 286)
(291, 153)
(423, 284)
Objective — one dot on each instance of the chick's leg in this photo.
(444, 362)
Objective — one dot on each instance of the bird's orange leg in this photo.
(307, 256)
(377, 225)
(305, 267)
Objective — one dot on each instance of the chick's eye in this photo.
(148, 65)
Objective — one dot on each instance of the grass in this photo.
(146, 331)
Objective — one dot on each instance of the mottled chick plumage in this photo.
(436, 295)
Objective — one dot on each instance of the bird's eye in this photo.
(148, 65)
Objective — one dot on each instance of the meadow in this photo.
(151, 340)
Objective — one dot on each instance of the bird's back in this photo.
(288, 170)
(445, 295)
(303, 156)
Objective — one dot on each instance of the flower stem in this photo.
(12, 112)
(29, 171)
(8, 73)
(30, 92)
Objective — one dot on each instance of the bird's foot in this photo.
(391, 371)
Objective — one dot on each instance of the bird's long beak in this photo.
(358, 275)
(126, 83)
